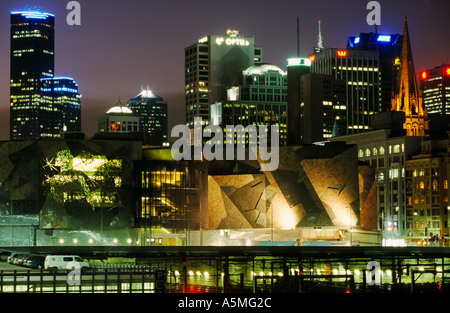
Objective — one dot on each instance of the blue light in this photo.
(357, 40)
(384, 38)
(33, 14)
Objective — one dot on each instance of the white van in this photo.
(65, 262)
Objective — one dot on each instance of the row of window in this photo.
(381, 151)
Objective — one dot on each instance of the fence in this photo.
(122, 279)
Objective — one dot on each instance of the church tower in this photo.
(406, 97)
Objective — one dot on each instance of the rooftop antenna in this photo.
(320, 38)
(319, 47)
(298, 37)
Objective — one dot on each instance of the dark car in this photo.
(36, 261)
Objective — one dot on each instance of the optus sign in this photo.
(232, 41)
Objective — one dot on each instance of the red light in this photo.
(424, 75)
(447, 71)
(113, 126)
(347, 291)
(312, 57)
(342, 53)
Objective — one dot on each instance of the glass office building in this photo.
(435, 87)
(152, 112)
(32, 58)
(211, 65)
(360, 70)
(63, 93)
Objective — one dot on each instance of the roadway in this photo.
(99, 252)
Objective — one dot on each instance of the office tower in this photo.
(435, 88)
(211, 65)
(389, 47)
(118, 120)
(322, 108)
(152, 112)
(406, 97)
(359, 69)
(32, 58)
(296, 67)
(259, 97)
(66, 99)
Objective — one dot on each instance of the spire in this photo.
(320, 39)
(319, 47)
(407, 98)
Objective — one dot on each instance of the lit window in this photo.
(435, 184)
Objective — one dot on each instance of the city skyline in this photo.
(123, 45)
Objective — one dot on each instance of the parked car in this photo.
(28, 258)
(36, 261)
(65, 262)
(18, 260)
(11, 257)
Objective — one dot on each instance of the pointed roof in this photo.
(408, 82)
(407, 97)
(407, 91)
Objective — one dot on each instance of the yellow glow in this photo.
(91, 240)
(88, 165)
(61, 241)
(75, 240)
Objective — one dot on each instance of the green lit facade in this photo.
(258, 98)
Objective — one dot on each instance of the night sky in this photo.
(122, 45)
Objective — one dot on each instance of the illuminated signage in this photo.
(447, 71)
(232, 41)
(299, 61)
(312, 57)
(384, 38)
(342, 53)
(424, 75)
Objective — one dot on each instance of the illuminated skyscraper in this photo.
(435, 88)
(389, 48)
(63, 92)
(211, 65)
(259, 97)
(32, 58)
(152, 112)
(360, 70)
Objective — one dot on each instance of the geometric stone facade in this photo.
(313, 186)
